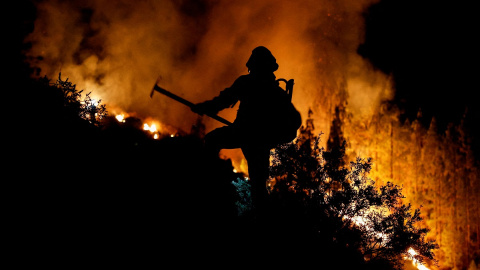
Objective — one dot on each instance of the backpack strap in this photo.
(288, 87)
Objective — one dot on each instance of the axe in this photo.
(185, 102)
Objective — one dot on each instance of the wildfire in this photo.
(362, 221)
(415, 262)
(322, 58)
(154, 127)
(120, 118)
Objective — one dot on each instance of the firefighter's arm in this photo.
(225, 99)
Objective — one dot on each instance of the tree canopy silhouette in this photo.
(344, 210)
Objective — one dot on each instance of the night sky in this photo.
(430, 49)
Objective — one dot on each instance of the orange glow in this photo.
(152, 128)
(362, 221)
(415, 263)
(120, 118)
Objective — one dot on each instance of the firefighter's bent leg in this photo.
(222, 138)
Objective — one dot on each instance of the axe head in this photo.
(153, 88)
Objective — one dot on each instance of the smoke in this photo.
(117, 49)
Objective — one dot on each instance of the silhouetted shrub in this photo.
(343, 210)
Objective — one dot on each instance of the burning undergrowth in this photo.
(67, 121)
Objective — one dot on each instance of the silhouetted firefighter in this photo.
(265, 118)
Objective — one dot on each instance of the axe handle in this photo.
(172, 96)
(186, 102)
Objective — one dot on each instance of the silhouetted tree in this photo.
(344, 210)
(88, 109)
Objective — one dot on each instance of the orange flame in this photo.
(415, 262)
